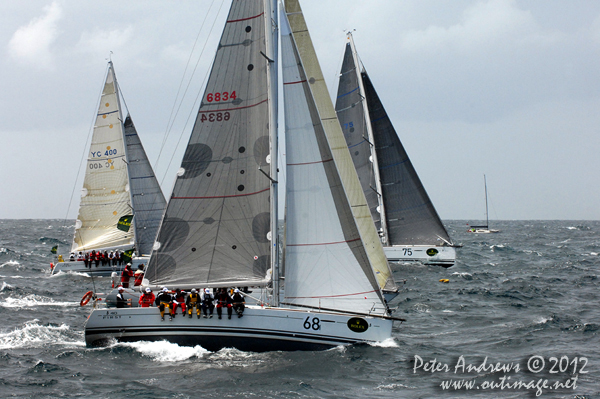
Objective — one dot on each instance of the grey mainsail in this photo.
(409, 215)
(147, 199)
(216, 228)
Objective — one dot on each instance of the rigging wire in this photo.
(178, 102)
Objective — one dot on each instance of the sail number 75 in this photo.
(315, 323)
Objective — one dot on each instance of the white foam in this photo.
(163, 351)
(392, 387)
(386, 343)
(69, 273)
(462, 274)
(33, 300)
(37, 336)
(10, 263)
(447, 311)
(542, 320)
(5, 285)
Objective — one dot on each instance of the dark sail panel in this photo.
(147, 198)
(411, 217)
(350, 113)
(215, 229)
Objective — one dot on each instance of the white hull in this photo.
(260, 329)
(429, 255)
(483, 231)
(101, 270)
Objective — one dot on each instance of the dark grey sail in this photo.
(217, 224)
(147, 199)
(410, 216)
(351, 115)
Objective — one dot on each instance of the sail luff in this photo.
(272, 47)
(369, 128)
(126, 154)
(367, 248)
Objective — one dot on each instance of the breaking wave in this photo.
(33, 334)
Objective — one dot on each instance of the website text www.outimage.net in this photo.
(535, 374)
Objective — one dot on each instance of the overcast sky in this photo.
(508, 88)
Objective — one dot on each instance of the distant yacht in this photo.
(408, 224)
(484, 229)
(121, 201)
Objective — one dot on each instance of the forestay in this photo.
(332, 249)
(105, 197)
(216, 228)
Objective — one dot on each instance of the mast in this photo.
(126, 154)
(487, 222)
(371, 137)
(271, 35)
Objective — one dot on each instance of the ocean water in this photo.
(519, 315)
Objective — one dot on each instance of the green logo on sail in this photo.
(54, 249)
(125, 223)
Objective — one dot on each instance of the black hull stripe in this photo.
(215, 330)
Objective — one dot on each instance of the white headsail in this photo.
(119, 183)
(334, 258)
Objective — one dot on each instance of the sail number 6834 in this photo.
(224, 96)
(315, 323)
(215, 117)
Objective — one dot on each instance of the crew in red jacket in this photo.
(126, 275)
(147, 299)
(139, 275)
(179, 300)
(223, 300)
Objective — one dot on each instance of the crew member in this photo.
(121, 301)
(126, 275)
(193, 299)
(147, 298)
(207, 303)
(223, 300)
(139, 275)
(178, 300)
(239, 304)
(164, 300)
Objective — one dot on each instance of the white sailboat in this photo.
(408, 224)
(483, 229)
(121, 201)
(219, 229)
